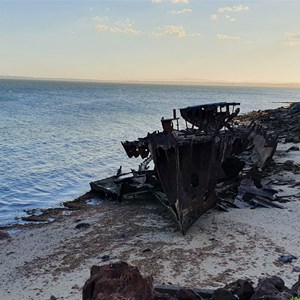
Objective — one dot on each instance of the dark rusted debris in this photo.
(188, 163)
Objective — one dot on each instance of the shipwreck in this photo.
(189, 162)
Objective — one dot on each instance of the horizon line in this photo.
(163, 81)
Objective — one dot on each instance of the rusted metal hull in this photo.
(189, 163)
(189, 167)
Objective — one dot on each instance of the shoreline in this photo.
(53, 259)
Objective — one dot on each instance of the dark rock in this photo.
(53, 298)
(187, 294)
(296, 269)
(286, 258)
(117, 281)
(241, 288)
(288, 165)
(296, 287)
(105, 258)
(293, 148)
(147, 250)
(4, 235)
(82, 226)
(272, 288)
(223, 294)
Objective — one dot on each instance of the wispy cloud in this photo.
(176, 31)
(229, 9)
(292, 39)
(178, 12)
(171, 30)
(229, 18)
(121, 26)
(225, 37)
(100, 19)
(214, 17)
(179, 1)
(171, 1)
(234, 9)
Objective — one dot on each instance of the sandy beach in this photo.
(54, 259)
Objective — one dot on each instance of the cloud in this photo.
(229, 18)
(171, 1)
(183, 11)
(292, 39)
(171, 30)
(214, 17)
(126, 26)
(179, 1)
(100, 19)
(225, 37)
(248, 42)
(234, 9)
(176, 31)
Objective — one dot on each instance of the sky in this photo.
(151, 40)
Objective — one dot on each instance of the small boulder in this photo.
(117, 281)
(272, 288)
(243, 289)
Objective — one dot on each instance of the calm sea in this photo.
(56, 137)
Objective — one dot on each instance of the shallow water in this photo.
(56, 137)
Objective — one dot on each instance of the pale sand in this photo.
(55, 259)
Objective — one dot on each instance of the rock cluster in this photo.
(269, 288)
(284, 121)
(122, 281)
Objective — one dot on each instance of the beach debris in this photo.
(189, 163)
(296, 269)
(293, 148)
(288, 258)
(4, 235)
(105, 258)
(82, 226)
(147, 250)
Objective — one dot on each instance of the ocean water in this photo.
(56, 137)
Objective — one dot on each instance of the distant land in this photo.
(166, 82)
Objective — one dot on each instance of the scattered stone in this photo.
(296, 269)
(287, 258)
(105, 258)
(293, 148)
(52, 297)
(4, 235)
(147, 250)
(82, 226)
